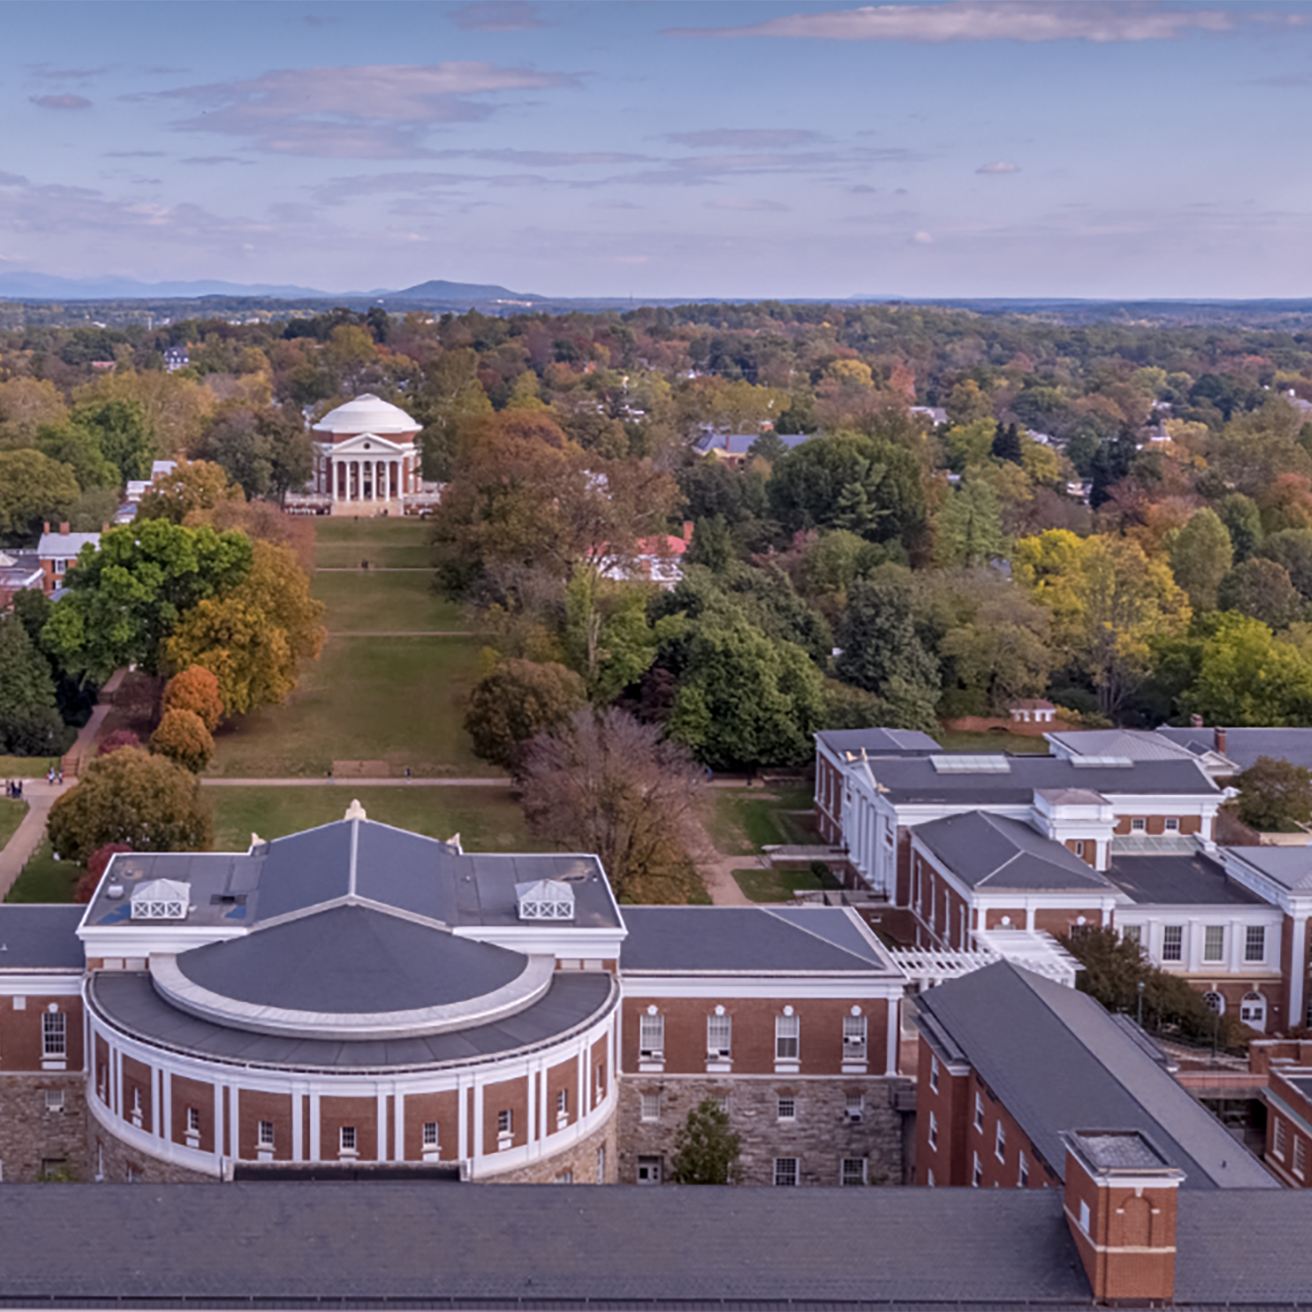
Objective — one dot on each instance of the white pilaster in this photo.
(380, 1120)
(234, 1123)
(1297, 972)
(315, 1154)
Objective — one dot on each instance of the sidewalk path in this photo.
(39, 797)
(398, 633)
(360, 781)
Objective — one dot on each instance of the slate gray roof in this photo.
(1178, 880)
(914, 779)
(1244, 746)
(996, 852)
(1244, 1247)
(1057, 1061)
(364, 859)
(738, 939)
(1137, 744)
(128, 1000)
(351, 960)
(1290, 867)
(34, 937)
(878, 742)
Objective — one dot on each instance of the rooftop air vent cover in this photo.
(161, 899)
(545, 899)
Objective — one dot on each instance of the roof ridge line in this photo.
(355, 849)
(774, 915)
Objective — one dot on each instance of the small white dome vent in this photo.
(545, 899)
(161, 899)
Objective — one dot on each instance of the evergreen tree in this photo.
(705, 1149)
(30, 724)
(881, 651)
(1006, 443)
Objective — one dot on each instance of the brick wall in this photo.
(580, 1161)
(21, 1031)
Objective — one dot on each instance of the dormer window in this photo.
(545, 899)
(161, 899)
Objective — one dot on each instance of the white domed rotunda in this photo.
(365, 457)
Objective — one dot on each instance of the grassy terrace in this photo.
(11, 816)
(742, 821)
(44, 879)
(372, 602)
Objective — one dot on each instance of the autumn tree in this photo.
(1260, 588)
(1275, 796)
(253, 637)
(26, 405)
(1247, 676)
(192, 485)
(33, 489)
(1201, 556)
(515, 702)
(706, 1150)
(195, 689)
(605, 783)
(97, 864)
(131, 797)
(183, 737)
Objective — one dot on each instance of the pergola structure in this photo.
(365, 458)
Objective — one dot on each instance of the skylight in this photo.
(1101, 762)
(970, 764)
(161, 899)
(545, 899)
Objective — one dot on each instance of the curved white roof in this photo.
(366, 414)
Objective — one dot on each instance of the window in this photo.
(601, 1166)
(1300, 1154)
(193, 1120)
(976, 1172)
(1214, 943)
(719, 1038)
(979, 1112)
(54, 1034)
(933, 1132)
(264, 1138)
(1277, 1137)
(649, 1170)
(785, 1170)
(567, 1177)
(1132, 934)
(1252, 1011)
(1078, 847)
(856, 1106)
(1172, 824)
(54, 1100)
(1172, 942)
(651, 1038)
(1215, 1002)
(853, 1171)
(428, 1138)
(505, 1122)
(1138, 825)
(854, 1038)
(600, 1082)
(562, 1102)
(1023, 1174)
(1000, 1142)
(787, 1109)
(1084, 1216)
(651, 1106)
(929, 1178)
(722, 1102)
(933, 1073)
(787, 1031)
(346, 1138)
(1255, 943)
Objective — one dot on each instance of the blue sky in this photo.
(950, 148)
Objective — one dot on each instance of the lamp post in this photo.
(1141, 1004)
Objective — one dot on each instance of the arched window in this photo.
(1215, 1001)
(1252, 1011)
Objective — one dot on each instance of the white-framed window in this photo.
(929, 1177)
(1132, 934)
(1215, 1002)
(651, 1106)
(1172, 942)
(193, 1120)
(54, 1100)
(429, 1136)
(599, 1083)
(346, 1139)
(567, 1177)
(721, 1102)
(1023, 1173)
(856, 1107)
(1172, 824)
(1085, 1216)
(785, 1170)
(933, 1132)
(601, 1166)
(651, 1038)
(787, 1037)
(1252, 1010)
(854, 1038)
(562, 1102)
(1300, 1155)
(1078, 847)
(1214, 943)
(505, 1121)
(649, 1170)
(1277, 1137)
(933, 1072)
(719, 1037)
(264, 1136)
(1255, 943)
(976, 1172)
(853, 1171)
(1000, 1142)
(786, 1109)
(1138, 825)
(54, 1034)
(979, 1111)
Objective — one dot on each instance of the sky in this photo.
(950, 148)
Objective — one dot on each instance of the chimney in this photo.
(1218, 739)
(63, 528)
(1195, 721)
(1120, 1206)
(45, 528)
(687, 530)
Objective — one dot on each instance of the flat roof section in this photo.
(35, 937)
(1178, 881)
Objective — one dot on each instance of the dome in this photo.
(367, 414)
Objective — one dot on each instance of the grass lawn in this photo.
(400, 700)
(487, 819)
(390, 530)
(774, 885)
(27, 767)
(46, 880)
(385, 603)
(11, 816)
(745, 820)
(990, 744)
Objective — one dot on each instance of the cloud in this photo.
(215, 159)
(998, 166)
(863, 189)
(65, 101)
(385, 115)
(496, 16)
(747, 204)
(12, 180)
(921, 239)
(545, 159)
(979, 20)
(66, 74)
(746, 138)
(338, 191)
(134, 154)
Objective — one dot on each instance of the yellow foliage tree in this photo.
(193, 485)
(195, 689)
(254, 638)
(183, 737)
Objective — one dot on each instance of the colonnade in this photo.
(367, 480)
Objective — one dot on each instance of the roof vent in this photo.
(545, 899)
(355, 811)
(161, 899)
(114, 892)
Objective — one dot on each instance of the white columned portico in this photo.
(372, 443)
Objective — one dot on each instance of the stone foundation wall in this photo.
(578, 1163)
(37, 1142)
(116, 1162)
(820, 1136)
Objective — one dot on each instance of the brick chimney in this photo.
(1218, 739)
(45, 528)
(1195, 721)
(63, 528)
(687, 530)
(1120, 1206)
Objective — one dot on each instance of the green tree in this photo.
(125, 599)
(1247, 676)
(1006, 443)
(265, 451)
(79, 448)
(193, 485)
(608, 638)
(1201, 556)
(969, 527)
(131, 797)
(33, 489)
(1261, 589)
(1243, 521)
(880, 648)
(452, 401)
(1292, 548)
(30, 724)
(518, 700)
(123, 431)
(1275, 796)
(706, 1150)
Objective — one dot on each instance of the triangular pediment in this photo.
(370, 444)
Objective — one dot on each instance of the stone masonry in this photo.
(575, 1165)
(40, 1139)
(820, 1135)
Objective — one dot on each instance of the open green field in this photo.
(991, 743)
(746, 820)
(487, 819)
(367, 601)
(761, 885)
(46, 880)
(27, 767)
(342, 543)
(11, 816)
